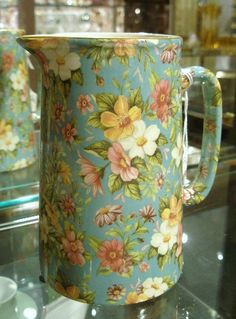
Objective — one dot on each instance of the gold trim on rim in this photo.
(103, 35)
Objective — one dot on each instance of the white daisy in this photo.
(166, 238)
(177, 152)
(18, 81)
(142, 141)
(8, 142)
(62, 61)
(154, 287)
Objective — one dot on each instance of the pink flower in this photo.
(91, 175)
(67, 204)
(69, 133)
(108, 215)
(25, 94)
(179, 240)
(147, 212)
(169, 53)
(83, 103)
(161, 100)
(111, 254)
(58, 112)
(7, 61)
(121, 163)
(144, 266)
(73, 248)
(188, 193)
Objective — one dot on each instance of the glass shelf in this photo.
(20, 186)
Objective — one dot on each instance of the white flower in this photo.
(8, 142)
(188, 193)
(20, 164)
(177, 152)
(142, 141)
(62, 61)
(154, 287)
(18, 81)
(166, 238)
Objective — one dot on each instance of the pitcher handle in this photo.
(201, 185)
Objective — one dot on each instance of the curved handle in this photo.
(199, 188)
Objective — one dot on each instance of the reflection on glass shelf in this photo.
(19, 186)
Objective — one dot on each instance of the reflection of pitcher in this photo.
(17, 147)
(111, 193)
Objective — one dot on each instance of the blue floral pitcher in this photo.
(17, 145)
(112, 192)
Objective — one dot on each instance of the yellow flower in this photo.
(70, 291)
(133, 297)
(73, 292)
(44, 43)
(4, 128)
(120, 124)
(23, 70)
(124, 48)
(173, 214)
(64, 172)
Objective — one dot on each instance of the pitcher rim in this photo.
(103, 36)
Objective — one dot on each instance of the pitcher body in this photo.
(111, 194)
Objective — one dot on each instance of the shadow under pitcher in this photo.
(111, 186)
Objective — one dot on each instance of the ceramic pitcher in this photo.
(112, 190)
(17, 147)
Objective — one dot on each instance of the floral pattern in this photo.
(17, 145)
(112, 192)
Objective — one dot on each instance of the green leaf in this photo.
(99, 149)
(113, 233)
(162, 140)
(156, 158)
(137, 256)
(127, 228)
(162, 260)
(164, 203)
(80, 235)
(136, 99)
(114, 182)
(141, 230)
(94, 243)
(199, 187)
(88, 296)
(77, 76)
(152, 252)
(173, 134)
(138, 162)
(87, 256)
(168, 281)
(116, 83)
(153, 80)
(94, 120)
(151, 116)
(217, 98)
(132, 190)
(103, 271)
(130, 245)
(106, 101)
(180, 262)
